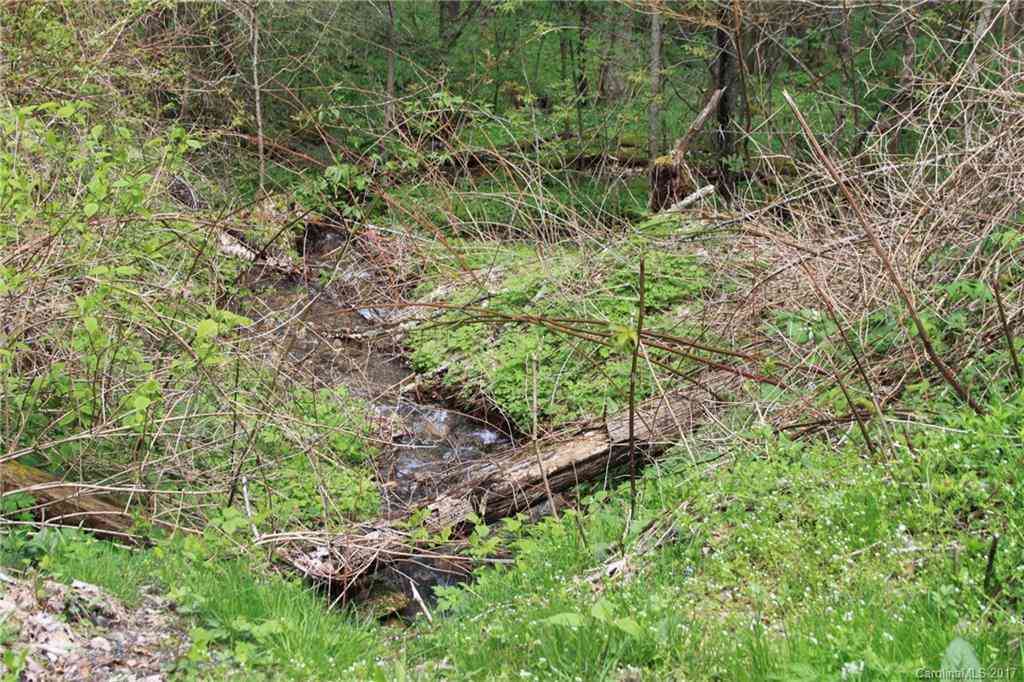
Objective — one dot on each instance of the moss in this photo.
(575, 377)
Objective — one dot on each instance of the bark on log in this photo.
(66, 504)
(514, 482)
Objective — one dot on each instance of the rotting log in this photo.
(513, 482)
(64, 503)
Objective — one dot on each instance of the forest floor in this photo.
(842, 512)
(747, 552)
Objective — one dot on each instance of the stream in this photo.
(330, 342)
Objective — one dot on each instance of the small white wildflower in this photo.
(851, 669)
(848, 616)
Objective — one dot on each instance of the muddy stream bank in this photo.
(342, 335)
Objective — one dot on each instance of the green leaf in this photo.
(567, 619)
(959, 656)
(90, 209)
(603, 611)
(92, 325)
(206, 329)
(629, 626)
(268, 628)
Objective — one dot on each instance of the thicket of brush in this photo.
(853, 513)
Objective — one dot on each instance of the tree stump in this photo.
(671, 181)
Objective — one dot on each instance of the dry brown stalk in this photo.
(947, 372)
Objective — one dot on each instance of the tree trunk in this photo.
(654, 110)
(725, 80)
(1012, 17)
(65, 504)
(846, 60)
(611, 84)
(981, 28)
(582, 82)
(905, 97)
(670, 177)
(901, 103)
(447, 15)
(254, 37)
(392, 47)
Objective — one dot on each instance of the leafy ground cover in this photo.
(789, 560)
(780, 560)
(504, 354)
(873, 531)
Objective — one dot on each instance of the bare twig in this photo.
(632, 393)
(536, 443)
(947, 372)
(1007, 331)
(419, 600)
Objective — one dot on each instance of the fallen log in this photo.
(67, 504)
(512, 482)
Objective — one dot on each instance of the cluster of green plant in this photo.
(788, 560)
(792, 560)
(545, 204)
(132, 338)
(505, 357)
(339, 190)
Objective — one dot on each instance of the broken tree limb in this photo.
(693, 198)
(683, 144)
(671, 178)
(68, 504)
(513, 482)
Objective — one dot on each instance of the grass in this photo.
(792, 561)
(789, 560)
(244, 620)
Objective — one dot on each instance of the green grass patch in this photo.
(244, 620)
(575, 376)
(795, 561)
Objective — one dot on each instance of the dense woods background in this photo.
(578, 340)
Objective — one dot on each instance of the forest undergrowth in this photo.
(487, 242)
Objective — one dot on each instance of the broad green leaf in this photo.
(206, 329)
(91, 209)
(567, 619)
(629, 626)
(959, 656)
(603, 611)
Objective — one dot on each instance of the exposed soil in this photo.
(78, 632)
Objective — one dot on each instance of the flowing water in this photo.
(329, 341)
(423, 440)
